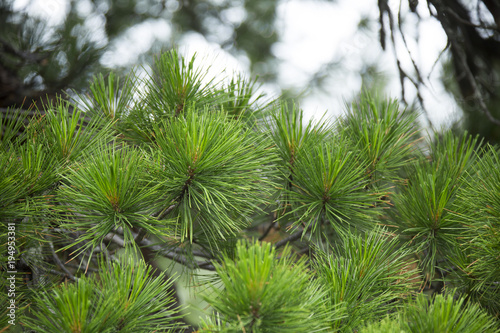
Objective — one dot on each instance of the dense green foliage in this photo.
(440, 314)
(122, 298)
(336, 225)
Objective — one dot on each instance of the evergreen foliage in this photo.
(263, 293)
(336, 226)
(122, 298)
(442, 313)
(368, 276)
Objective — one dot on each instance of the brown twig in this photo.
(289, 239)
(60, 264)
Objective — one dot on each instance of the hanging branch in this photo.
(419, 80)
(385, 9)
(462, 37)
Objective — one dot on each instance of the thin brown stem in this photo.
(60, 264)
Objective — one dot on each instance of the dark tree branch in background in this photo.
(419, 81)
(177, 254)
(60, 264)
(461, 34)
(477, 95)
(291, 238)
(474, 53)
(269, 228)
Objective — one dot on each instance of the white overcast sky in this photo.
(311, 33)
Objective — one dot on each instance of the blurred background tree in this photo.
(39, 59)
